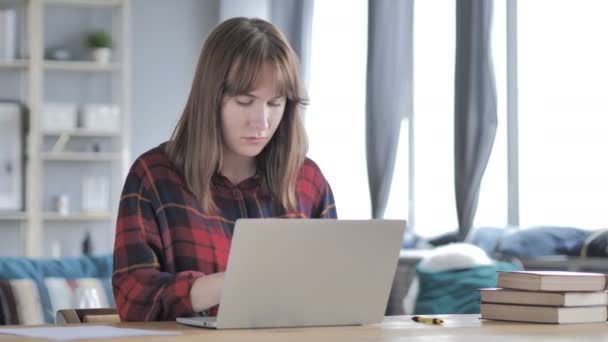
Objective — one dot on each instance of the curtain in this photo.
(389, 92)
(294, 19)
(474, 106)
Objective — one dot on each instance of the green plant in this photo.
(99, 39)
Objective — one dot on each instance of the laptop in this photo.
(311, 272)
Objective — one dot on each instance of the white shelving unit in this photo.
(36, 215)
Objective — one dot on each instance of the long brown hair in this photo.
(228, 65)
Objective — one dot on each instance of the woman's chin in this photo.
(250, 151)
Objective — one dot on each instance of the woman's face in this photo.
(250, 120)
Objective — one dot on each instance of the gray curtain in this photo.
(389, 91)
(294, 18)
(474, 106)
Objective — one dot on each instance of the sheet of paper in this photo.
(83, 332)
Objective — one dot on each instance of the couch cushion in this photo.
(596, 244)
(20, 302)
(78, 293)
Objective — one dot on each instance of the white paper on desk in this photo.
(83, 332)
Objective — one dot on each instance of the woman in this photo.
(238, 151)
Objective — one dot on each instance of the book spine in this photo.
(3, 33)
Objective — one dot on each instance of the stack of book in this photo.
(547, 297)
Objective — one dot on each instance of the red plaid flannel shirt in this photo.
(164, 241)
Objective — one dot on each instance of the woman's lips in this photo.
(254, 140)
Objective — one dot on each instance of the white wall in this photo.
(245, 8)
(167, 38)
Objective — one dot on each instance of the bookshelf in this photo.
(48, 171)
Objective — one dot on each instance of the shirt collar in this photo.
(250, 183)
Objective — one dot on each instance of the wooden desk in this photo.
(394, 328)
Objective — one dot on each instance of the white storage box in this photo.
(95, 194)
(101, 117)
(58, 116)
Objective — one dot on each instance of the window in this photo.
(563, 112)
(338, 54)
(433, 123)
(335, 120)
(433, 120)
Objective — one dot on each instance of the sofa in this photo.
(32, 289)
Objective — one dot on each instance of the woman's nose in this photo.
(259, 118)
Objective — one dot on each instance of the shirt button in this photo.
(237, 194)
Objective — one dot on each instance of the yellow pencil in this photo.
(427, 320)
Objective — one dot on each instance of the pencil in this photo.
(427, 320)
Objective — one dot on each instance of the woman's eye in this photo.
(274, 104)
(243, 102)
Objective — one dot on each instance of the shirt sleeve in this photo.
(326, 206)
(143, 290)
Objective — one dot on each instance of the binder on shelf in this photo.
(8, 32)
(11, 156)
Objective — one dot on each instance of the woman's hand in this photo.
(205, 292)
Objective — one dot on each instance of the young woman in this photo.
(238, 151)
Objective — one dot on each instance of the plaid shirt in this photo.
(164, 241)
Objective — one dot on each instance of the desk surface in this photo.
(394, 328)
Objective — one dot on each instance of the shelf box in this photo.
(105, 117)
(56, 116)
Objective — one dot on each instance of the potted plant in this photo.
(100, 43)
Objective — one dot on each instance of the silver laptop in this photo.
(313, 272)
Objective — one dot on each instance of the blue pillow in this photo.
(542, 241)
(455, 291)
(71, 268)
(488, 238)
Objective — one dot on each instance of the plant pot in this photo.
(101, 55)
